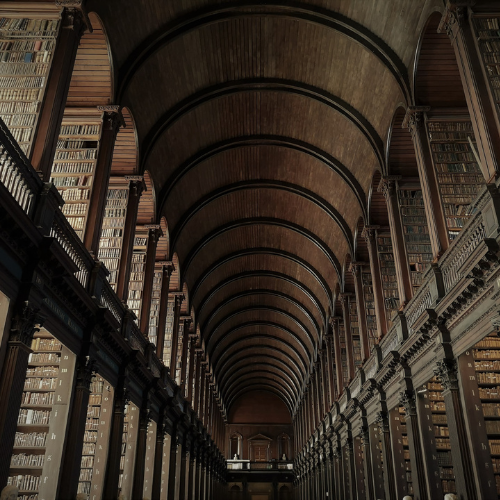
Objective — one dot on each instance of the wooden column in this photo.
(135, 191)
(202, 381)
(167, 268)
(389, 477)
(191, 369)
(351, 466)
(191, 474)
(344, 301)
(329, 366)
(172, 466)
(23, 326)
(378, 293)
(158, 465)
(408, 401)
(324, 380)
(112, 121)
(357, 272)
(461, 454)
(367, 463)
(197, 481)
(57, 86)
(185, 346)
(359, 468)
(71, 463)
(140, 454)
(110, 488)
(317, 393)
(184, 469)
(398, 453)
(154, 234)
(438, 232)
(388, 188)
(338, 355)
(458, 25)
(197, 375)
(175, 333)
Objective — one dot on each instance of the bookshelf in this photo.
(74, 163)
(127, 458)
(487, 29)
(356, 340)
(96, 438)
(169, 326)
(343, 354)
(377, 459)
(415, 230)
(388, 274)
(113, 224)
(458, 174)
(42, 418)
(401, 451)
(26, 52)
(178, 365)
(441, 435)
(371, 318)
(150, 459)
(155, 304)
(486, 354)
(186, 369)
(137, 270)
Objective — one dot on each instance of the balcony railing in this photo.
(247, 465)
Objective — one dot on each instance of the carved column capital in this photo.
(387, 186)
(84, 373)
(414, 117)
(408, 402)
(137, 185)
(154, 232)
(454, 16)
(446, 372)
(25, 323)
(382, 420)
(369, 233)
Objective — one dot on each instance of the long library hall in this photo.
(250, 250)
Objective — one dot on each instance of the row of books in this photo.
(25, 82)
(24, 482)
(31, 440)
(26, 57)
(29, 417)
(28, 25)
(40, 383)
(73, 168)
(24, 460)
(81, 181)
(80, 130)
(28, 44)
(43, 357)
(489, 392)
(37, 398)
(456, 168)
(75, 194)
(23, 69)
(75, 209)
(42, 371)
(19, 120)
(78, 154)
(41, 344)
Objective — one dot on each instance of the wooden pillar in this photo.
(158, 465)
(167, 268)
(357, 272)
(175, 334)
(399, 463)
(135, 191)
(438, 232)
(351, 466)
(192, 474)
(408, 401)
(389, 189)
(389, 478)
(378, 292)
(172, 466)
(191, 369)
(110, 488)
(71, 463)
(329, 367)
(197, 481)
(457, 24)
(338, 355)
(367, 463)
(140, 454)
(154, 235)
(324, 380)
(112, 121)
(344, 301)
(317, 393)
(23, 326)
(359, 468)
(56, 93)
(201, 381)
(185, 346)
(184, 469)
(461, 454)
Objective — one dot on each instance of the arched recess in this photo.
(92, 80)
(163, 246)
(379, 217)
(402, 165)
(284, 447)
(126, 151)
(146, 213)
(175, 278)
(454, 174)
(235, 446)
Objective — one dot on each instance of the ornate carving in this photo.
(446, 372)
(387, 186)
(25, 324)
(84, 373)
(414, 117)
(408, 402)
(454, 16)
(382, 420)
(369, 233)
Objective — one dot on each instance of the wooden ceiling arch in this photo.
(300, 11)
(266, 161)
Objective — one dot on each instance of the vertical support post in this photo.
(158, 465)
(56, 93)
(344, 301)
(135, 191)
(175, 334)
(172, 466)
(112, 121)
(185, 345)
(357, 269)
(167, 269)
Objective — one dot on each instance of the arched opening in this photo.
(235, 446)
(454, 173)
(285, 493)
(284, 447)
(126, 150)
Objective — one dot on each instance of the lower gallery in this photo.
(250, 250)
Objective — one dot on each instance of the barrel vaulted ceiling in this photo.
(262, 125)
